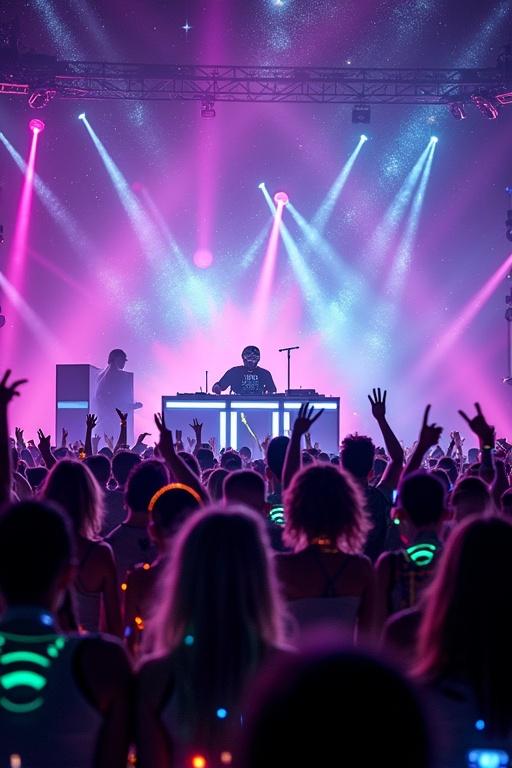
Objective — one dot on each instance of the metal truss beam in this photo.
(318, 85)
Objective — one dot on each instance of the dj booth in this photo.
(232, 419)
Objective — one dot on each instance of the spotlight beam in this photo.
(465, 318)
(146, 233)
(323, 214)
(261, 300)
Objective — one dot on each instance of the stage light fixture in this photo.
(81, 116)
(361, 113)
(485, 106)
(39, 98)
(434, 139)
(261, 185)
(281, 198)
(36, 126)
(208, 109)
(363, 137)
(458, 110)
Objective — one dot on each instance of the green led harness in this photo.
(24, 672)
(421, 554)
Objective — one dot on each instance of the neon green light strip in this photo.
(21, 709)
(28, 656)
(30, 638)
(22, 678)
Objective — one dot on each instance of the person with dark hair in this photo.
(464, 641)
(71, 484)
(231, 460)
(130, 540)
(122, 463)
(246, 487)
(100, 467)
(36, 476)
(471, 496)
(276, 453)
(402, 575)
(332, 707)
(65, 698)
(216, 482)
(206, 458)
(247, 379)
(326, 579)
(114, 390)
(168, 510)
(246, 456)
(217, 619)
(449, 465)
(357, 457)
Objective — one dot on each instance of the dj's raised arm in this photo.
(247, 379)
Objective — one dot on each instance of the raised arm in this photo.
(7, 393)
(45, 449)
(179, 469)
(301, 425)
(429, 436)
(391, 474)
(197, 428)
(486, 436)
(122, 440)
(90, 423)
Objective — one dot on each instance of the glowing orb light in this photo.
(281, 198)
(36, 125)
(203, 258)
(81, 116)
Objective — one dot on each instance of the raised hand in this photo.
(91, 421)
(212, 443)
(109, 441)
(378, 404)
(8, 391)
(430, 433)
(44, 442)
(141, 437)
(95, 442)
(196, 426)
(122, 416)
(191, 443)
(20, 442)
(478, 424)
(305, 419)
(165, 445)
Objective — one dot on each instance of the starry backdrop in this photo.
(387, 296)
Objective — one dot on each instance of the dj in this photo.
(247, 379)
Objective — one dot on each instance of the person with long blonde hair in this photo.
(218, 617)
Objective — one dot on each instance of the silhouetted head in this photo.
(122, 464)
(231, 461)
(325, 502)
(276, 453)
(450, 467)
(422, 497)
(35, 476)
(471, 496)
(72, 486)
(330, 707)
(145, 479)
(206, 458)
(100, 467)
(357, 455)
(117, 358)
(215, 483)
(35, 553)
(245, 487)
(169, 508)
(251, 357)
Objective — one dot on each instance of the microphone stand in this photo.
(288, 351)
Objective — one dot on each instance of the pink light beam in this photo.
(468, 314)
(263, 290)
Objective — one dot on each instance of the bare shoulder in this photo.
(384, 564)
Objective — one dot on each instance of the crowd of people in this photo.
(194, 609)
